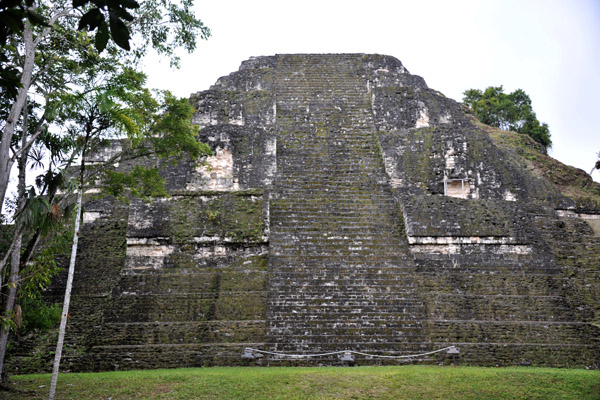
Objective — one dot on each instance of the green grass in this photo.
(402, 382)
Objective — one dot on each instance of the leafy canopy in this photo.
(164, 25)
(511, 112)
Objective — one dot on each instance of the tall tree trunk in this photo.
(10, 302)
(15, 261)
(5, 168)
(6, 160)
(65, 311)
(31, 43)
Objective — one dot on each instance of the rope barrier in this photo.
(295, 355)
(406, 356)
(248, 353)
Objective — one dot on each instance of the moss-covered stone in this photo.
(231, 216)
(329, 218)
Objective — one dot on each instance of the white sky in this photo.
(549, 48)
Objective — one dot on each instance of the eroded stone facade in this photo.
(347, 206)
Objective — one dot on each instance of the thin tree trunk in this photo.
(65, 311)
(6, 160)
(10, 302)
(15, 261)
(5, 168)
(9, 251)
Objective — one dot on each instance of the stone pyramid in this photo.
(347, 207)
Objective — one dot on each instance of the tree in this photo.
(507, 111)
(159, 24)
(46, 45)
(15, 264)
(118, 105)
(14, 14)
(32, 214)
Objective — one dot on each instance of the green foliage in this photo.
(174, 132)
(38, 273)
(124, 99)
(13, 14)
(120, 106)
(89, 91)
(113, 104)
(161, 24)
(213, 216)
(37, 315)
(38, 214)
(6, 234)
(166, 25)
(511, 112)
(96, 18)
(36, 278)
(83, 81)
(142, 182)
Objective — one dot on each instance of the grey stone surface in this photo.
(348, 206)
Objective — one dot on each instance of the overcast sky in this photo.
(549, 48)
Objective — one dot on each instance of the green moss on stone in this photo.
(237, 217)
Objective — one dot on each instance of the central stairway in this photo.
(340, 273)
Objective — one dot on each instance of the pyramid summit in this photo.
(347, 207)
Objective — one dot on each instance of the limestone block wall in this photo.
(330, 218)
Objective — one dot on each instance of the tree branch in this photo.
(38, 131)
(51, 22)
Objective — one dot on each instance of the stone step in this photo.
(286, 261)
(497, 354)
(127, 357)
(396, 348)
(358, 295)
(512, 331)
(352, 339)
(351, 284)
(484, 264)
(180, 332)
(180, 307)
(346, 247)
(197, 282)
(498, 307)
(350, 250)
(495, 283)
(305, 285)
(334, 232)
(322, 222)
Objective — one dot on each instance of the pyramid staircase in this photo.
(340, 272)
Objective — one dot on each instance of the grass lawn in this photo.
(402, 382)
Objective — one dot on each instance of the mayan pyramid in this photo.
(347, 206)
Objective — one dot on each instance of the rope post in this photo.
(454, 351)
(348, 358)
(248, 355)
